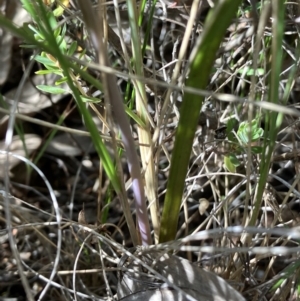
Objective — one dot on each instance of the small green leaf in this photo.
(231, 124)
(52, 20)
(243, 136)
(28, 7)
(37, 35)
(61, 81)
(51, 89)
(28, 46)
(250, 71)
(82, 54)
(64, 30)
(90, 99)
(258, 72)
(242, 126)
(278, 284)
(256, 149)
(135, 117)
(231, 137)
(58, 11)
(43, 72)
(228, 165)
(56, 32)
(61, 43)
(234, 160)
(72, 48)
(253, 130)
(257, 134)
(231, 162)
(45, 61)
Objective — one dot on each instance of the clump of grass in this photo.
(230, 175)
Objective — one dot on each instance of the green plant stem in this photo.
(144, 134)
(202, 60)
(273, 120)
(52, 48)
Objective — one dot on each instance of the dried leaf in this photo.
(203, 205)
(81, 217)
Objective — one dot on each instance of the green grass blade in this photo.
(203, 58)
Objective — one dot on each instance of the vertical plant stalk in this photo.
(38, 11)
(144, 132)
(273, 120)
(114, 97)
(201, 61)
(261, 23)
